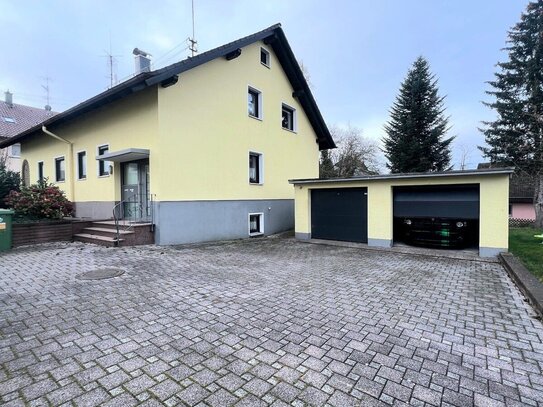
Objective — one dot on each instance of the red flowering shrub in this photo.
(40, 201)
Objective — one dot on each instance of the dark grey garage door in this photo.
(340, 214)
(440, 201)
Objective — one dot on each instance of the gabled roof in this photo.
(273, 36)
(15, 118)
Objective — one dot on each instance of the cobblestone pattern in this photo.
(263, 322)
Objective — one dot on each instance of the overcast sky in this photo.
(357, 52)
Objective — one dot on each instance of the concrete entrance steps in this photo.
(104, 233)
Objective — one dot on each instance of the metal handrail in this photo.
(120, 207)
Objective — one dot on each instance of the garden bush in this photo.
(40, 201)
(9, 181)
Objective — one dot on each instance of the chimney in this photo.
(9, 98)
(143, 61)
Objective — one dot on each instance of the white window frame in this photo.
(11, 151)
(260, 168)
(55, 169)
(264, 50)
(260, 102)
(77, 165)
(261, 232)
(38, 169)
(294, 118)
(98, 162)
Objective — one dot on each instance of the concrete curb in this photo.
(528, 284)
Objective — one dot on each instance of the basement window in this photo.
(256, 224)
(264, 57)
(60, 169)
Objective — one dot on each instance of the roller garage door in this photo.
(340, 214)
(438, 215)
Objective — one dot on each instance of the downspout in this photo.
(69, 163)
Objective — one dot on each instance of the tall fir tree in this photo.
(415, 140)
(516, 136)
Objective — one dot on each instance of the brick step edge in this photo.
(527, 283)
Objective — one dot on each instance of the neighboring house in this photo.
(204, 147)
(521, 198)
(521, 195)
(14, 119)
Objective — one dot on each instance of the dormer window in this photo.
(264, 57)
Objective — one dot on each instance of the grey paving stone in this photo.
(257, 386)
(267, 322)
(92, 398)
(221, 398)
(165, 389)
(193, 394)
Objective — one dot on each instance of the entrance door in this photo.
(340, 214)
(135, 190)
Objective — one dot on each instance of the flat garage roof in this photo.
(412, 175)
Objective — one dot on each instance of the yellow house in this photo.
(203, 148)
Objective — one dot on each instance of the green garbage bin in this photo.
(5, 229)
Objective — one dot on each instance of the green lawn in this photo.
(528, 249)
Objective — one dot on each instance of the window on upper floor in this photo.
(255, 168)
(60, 169)
(82, 165)
(16, 150)
(103, 166)
(254, 103)
(264, 57)
(288, 117)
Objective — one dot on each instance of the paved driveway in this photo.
(261, 322)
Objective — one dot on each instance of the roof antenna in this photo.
(47, 92)
(111, 64)
(192, 40)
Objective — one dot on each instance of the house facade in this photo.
(14, 119)
(203, 148)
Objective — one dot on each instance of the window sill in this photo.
(255, 117)
(104, 176)
(266, 65)
(82, 179)
(256, 184)
(60, 181)
(256, 234)
(289, 130)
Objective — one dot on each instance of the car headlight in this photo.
(459, 224)
(407, 221)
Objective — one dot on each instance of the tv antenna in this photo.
(111, 64)
(47, 92)
(193, 44)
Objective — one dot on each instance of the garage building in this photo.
(445, 209)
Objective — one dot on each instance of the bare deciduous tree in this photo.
(354, 155)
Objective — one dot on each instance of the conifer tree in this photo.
(516, 136)
(415, 140)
